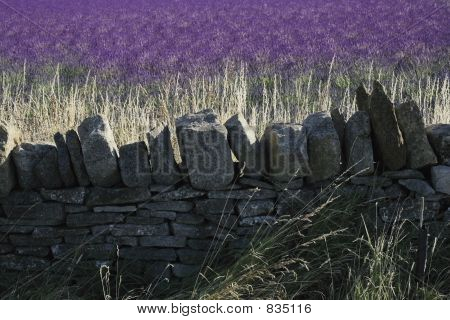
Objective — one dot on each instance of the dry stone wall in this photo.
(84, 195)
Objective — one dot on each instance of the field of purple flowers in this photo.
(141, 39)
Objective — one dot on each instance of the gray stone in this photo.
(177, 206)
(161, 188)
(189, 218)
(164, 169)
(91, 251)
(390, 147)
(10, 137)
(404, 174)
(84, 239)
(245, 194)
(185, 270)
(205, 151)
(440, 177)
(245, 145)
(115, 209)
(293, 202)
(144, 220)
(339, 125)
(256, 183)
(64, 162)
(228, 221)
(148, 254)
(323, 147)
(69, 196)
(24, 225)
(37, 166)
(21, 263)
(26, 240)
(418, 186)
(410, 209)
(123, 241)
(75, 208)
(99, 151)
(190, 256)
(373, 181)
(200, 244)
(102, 229)
(294, 184)
(140, 230)
(394, 192)
(21, 198)
(145, 213)
(76, 157)
(39, 211)
(6, 248)
(117, 196)
(439, 137)
(358, 144)
(419, 153)
(192, 231)
(163, 241)
(52, 232)
(135, 165)
(89, 219)
(33, 251)
(286, 149)
(255, 208)
(182, 193)
(251, 221)
(362, 99)
(214, 206)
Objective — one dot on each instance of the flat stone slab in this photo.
(33, 251)
(439, 137)
(103, 251)
(256, 183)
(190, 256)
(148, 254)
(253, 194)
(39, 211)
(135, 165)
(214, 206)
(76, 158)
(189, 218)
(115, 209)
(410, 209)
(100, 152)
(21, 263)
(418, 186)
(143, 220)
(192, 231)
(21, 198)
(373, 181)
(404, 174)
(251, 221)
(255, 208)
(69, 196)
(64, 162)
(115, 196)
(26, 240)
(89, 219)
(140, 230)
(182, 193)
(181, 270)
(177, 206)
(123, 241)
(10, 137)
(440, 177)
(163, 241)
(145, 213)
(419, 153)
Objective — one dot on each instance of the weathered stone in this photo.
(84, 239)
(25, 225)
(245, 194)
(10, 137)
(177, 206)
(123, 241)
(21, 240)
(418, 186)
(256, 183)
(362, 99)
(102, 229)
(144, 220)
(410, 209)
(161, 188)
(115, 209)
(373, 181)
(21, 198)
(404, 174)
(52, 232)
(339, 125)
(33, 251)
(189, 218)
(251, 221)
(182, 193)
(6, 248)
(205, 151)
(214, 206)
(140, 230)
(135, 165)
(439, 137)
(145, 213)
(21, 263)
(89, 219)
(255, 208)
(75, 208)
(39, 211)
(323, 146)
(164, 169)
(192, 231)
(37, 166)
(64, 162)
(163, 241)
(440, 177)
(286, 148)
(76, 157)
(99, 151)
(185, 270)
(112, 196)
(389, 144)
(200, 244)
(228, 221)
(148, 254)
(245, 145)
(190, 256)
(358, 144)
(394, 192)
(419, 153)
(69, 196)
(91, 251)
